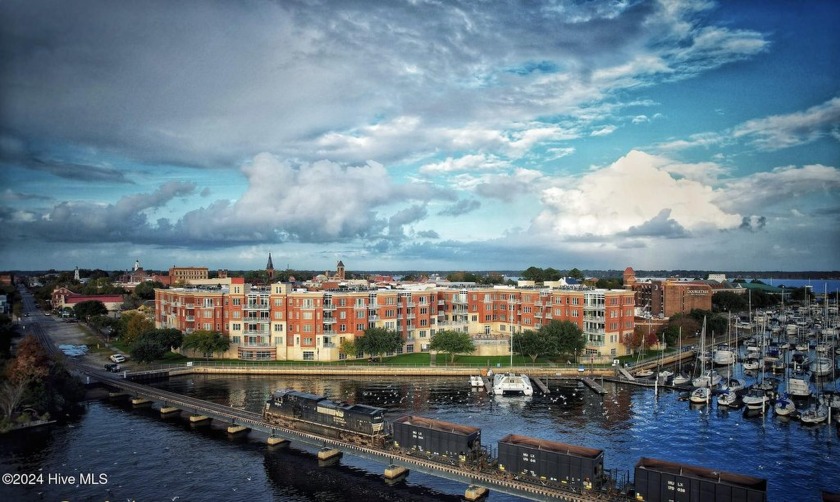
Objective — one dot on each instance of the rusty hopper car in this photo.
(313, 413)
(658, 480)
(577, 466)
(435, 437)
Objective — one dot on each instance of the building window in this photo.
(236, 327)
(234, 339)
(308, 355)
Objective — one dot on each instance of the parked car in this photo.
(113, 367)
(118, 358)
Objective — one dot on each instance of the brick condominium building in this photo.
(278, 322)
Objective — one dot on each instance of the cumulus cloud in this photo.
(634, 194)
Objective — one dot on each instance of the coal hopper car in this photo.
(438, 440)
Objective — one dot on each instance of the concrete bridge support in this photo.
(237, 429)
(169, 411)
(199, 420)
(474, 493)
(277, 441)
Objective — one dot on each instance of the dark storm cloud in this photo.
(661, 225)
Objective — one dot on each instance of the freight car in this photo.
(438, 440)
(570, 466)
(659, 480)
(356, 423)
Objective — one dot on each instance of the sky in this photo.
(420, 135)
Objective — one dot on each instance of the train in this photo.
(528, 459)
(355, 423)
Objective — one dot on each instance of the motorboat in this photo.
(724, 356)
(755, 399)
(512, 384)
(476, 381)
(798, 388)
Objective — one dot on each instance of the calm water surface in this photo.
(147, 458)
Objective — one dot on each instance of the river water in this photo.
(147, 458)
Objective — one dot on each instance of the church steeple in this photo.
(269, 267)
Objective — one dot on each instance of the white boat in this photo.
(784, 406)
(681, 379)
(751, 364)
(700, 395)
(733, 385)
(798, 387)
(816, 414)
(643, 373)
(476, 381)
(822, 366)
(728, 398)
(512, 384)
(724, 356)
(709, 378)
(755, 399)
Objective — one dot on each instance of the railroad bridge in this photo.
(397, 464)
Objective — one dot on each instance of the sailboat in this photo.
(707, 378)
(725, 355)
(680, 378)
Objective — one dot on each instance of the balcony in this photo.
(329, 320)
(256, 344)
(329, 307)
(373, 318)
(256, 332)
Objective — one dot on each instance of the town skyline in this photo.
(685, 135)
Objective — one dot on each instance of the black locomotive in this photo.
(357, 423)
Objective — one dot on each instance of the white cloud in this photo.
(629, 193)
(465, 163)
(784, 131)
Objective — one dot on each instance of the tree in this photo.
(206, 343)
(146, 290)
(132, 325)
(378, 342)
(678, 323)
(347, 347)
(576, 274)
(723, 301)
(452, 342)
(564, 337)
(88, 309)
(153, 345)
(532, 344)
